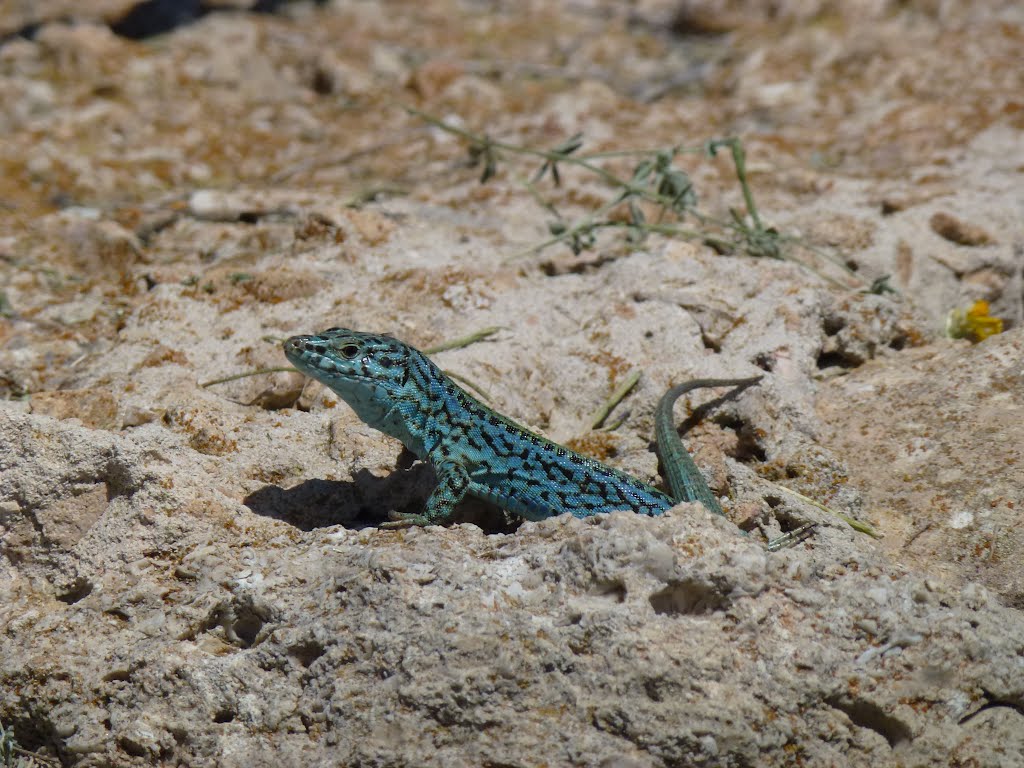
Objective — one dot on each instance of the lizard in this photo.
(475, 450)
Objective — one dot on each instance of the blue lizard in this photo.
(396, 389)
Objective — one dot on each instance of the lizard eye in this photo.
(349, 351)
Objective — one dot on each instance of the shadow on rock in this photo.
(358, 503)
(367, 500)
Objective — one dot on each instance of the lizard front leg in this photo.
(452, 482)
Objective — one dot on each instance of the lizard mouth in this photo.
(296, 344)
(308, 354)
(299, 349)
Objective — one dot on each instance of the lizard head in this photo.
(351, 363)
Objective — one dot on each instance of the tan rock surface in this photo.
(193, 575)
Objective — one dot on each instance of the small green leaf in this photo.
(490, 166)
(570, 145)
(880, 286)
(636, 214)
(643, 170)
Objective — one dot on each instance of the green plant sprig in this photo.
(655, 180)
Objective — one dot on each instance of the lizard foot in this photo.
(791, 538)
(400, 520)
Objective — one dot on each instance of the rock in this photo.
(575, 623)
(195, 573)
(944, 468)
(956, 231)
(95, 408)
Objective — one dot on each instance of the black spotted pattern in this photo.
(503, 462)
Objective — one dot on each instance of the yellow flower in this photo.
(975, 323)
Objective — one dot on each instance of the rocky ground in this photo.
(193, 574)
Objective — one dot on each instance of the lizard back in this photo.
(398, 390)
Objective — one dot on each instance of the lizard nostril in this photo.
(296, 344)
